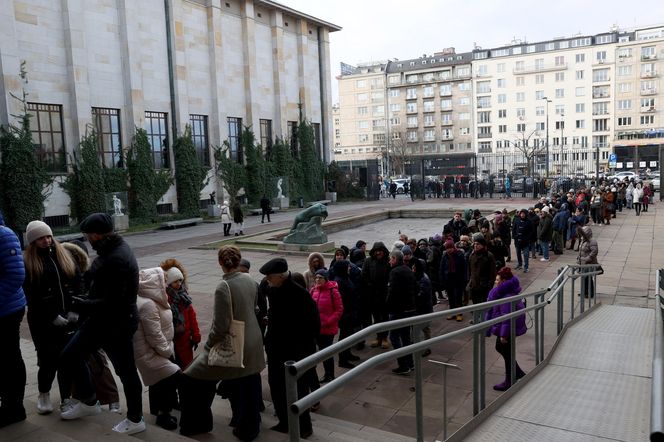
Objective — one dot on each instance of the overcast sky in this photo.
(385, 29)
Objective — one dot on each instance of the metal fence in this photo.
(561, 291)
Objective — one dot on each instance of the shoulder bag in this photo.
(229, 352)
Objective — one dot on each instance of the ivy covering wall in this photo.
(189, 175)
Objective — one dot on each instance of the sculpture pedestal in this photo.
(283, 202)
(324, 247)
(214, 210)
(121, 222)
(332, 196)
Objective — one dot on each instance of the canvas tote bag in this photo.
(229, 352)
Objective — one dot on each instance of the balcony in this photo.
(651, 91)
(445, 93)
(601, 94)
(649, 57)
(483, 105)
(648, 109)
(484, 135)
(447, 137)
(429, 138)
(411, 111)
(535, 69)
(484, 149)
(601, 112)
(411, 97)
(649, 74)
(447, 123)
(601, 80)
(601, 129)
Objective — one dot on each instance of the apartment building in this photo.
(563, 105)
(639, 121)
(216, 65)
(360, 120)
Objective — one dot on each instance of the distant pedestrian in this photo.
(238, 219)
(226, 218)
(266, 208)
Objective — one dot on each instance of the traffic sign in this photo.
(613, 159)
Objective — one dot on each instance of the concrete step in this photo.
(334, 429)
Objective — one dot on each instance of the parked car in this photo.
(622, 175)
(400, 182)
(655, 183)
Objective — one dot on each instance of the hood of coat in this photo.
(586, 232)
(510, 287)
(379, 245)
(152, 285)
(311, 259)
(80, 256)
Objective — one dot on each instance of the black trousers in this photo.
(324, 341)
(163, 395)
(265, 213)
(455, 295)
(119, 348)
(49, 342)
(196, 398)
(505, 351)
(227, 229)
(12, 368)
(245, 397)
(276, 377)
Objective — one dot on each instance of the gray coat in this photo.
(243, 289)
(588, 247)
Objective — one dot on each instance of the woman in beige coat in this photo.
(153, 345)
(234, 298)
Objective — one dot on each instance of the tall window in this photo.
(48, 136)
(155, 126)
(317, 141)
(199, 135)
(107, 126)
(292, 134)
(266, 137)
(234, 139)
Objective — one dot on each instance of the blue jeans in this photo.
(545, 249)
(401, 338)
(525, 251)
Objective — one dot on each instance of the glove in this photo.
(59, 321)
(72, 317)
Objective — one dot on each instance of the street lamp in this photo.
(562, 141)
(547, 135)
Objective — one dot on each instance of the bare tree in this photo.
(526, 142)
(398, 149)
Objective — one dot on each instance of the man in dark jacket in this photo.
(401, 292)
(456, 224)
(12, 309)
(482, 271)
(375, 276)
(559, 229)
(522, 232)
(293, 325)
(544, 232)
(266, 208)
(111, 322)
(453, 276)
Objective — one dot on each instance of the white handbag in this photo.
(229, 352)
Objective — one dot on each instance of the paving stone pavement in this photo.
(630, 252)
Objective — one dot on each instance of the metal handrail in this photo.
(295, 370)
(657, 391)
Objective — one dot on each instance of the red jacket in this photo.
(330, 306)
(187, 335)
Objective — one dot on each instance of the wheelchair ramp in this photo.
(596, 386)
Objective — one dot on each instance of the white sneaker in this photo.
(79, 409)
(114, 407)
(544, 259)
(128, 427)
(67, 404)
(44, 405)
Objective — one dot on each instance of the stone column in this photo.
(134, 110)
(302, 57)
(179, 67)
(79, 112)
(252, 94)
(10, 61)
(278, 73)
(326, 123)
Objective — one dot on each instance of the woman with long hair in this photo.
(52, 279)
(506, 285)
(234, 298)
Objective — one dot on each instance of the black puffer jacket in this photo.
(401, 291)
(376, 273)
(50, 295)
(111, 301)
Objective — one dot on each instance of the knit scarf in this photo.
(179, 301)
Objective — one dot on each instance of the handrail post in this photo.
(538, 348)
(291, 397)
(561, 295)
(479, 362)
(656, 401)
(416, 330)
(542, 315)
(512, 344)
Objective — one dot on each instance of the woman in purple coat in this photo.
(506, 285)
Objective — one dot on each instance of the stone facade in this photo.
(249, 59)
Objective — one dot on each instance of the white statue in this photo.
(117, 206)
(279, 192)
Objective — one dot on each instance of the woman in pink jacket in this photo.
(330, 308)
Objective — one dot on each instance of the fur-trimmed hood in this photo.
(80, 256)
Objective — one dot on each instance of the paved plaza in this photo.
(629, 251)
